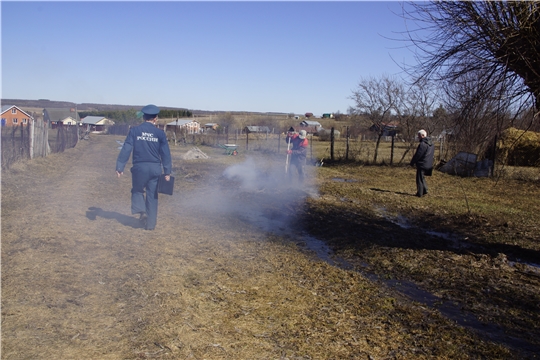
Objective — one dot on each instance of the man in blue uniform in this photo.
(150, 152)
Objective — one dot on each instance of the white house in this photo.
(68, 121)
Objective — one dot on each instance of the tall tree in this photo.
(498, 39)
(377, 99)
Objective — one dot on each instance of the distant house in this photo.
(96, 124)
(327, 116)
(68, 121)
(308, 115)
(388, 129)
(257, 129)
(311, 127)
(13, 116)
(191, 126)
(62, 116)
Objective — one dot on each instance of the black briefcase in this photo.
(428, 172)
(164, 186)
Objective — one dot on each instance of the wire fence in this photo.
(334, 146)
(345, 148)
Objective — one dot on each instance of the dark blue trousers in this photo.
(421, 184)
(299, 165)
(144, 178)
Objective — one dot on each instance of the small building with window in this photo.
(14, 116)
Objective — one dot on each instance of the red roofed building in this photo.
(14, 116)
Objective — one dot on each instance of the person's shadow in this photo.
(93, 212)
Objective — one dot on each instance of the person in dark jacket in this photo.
(297, 150)
(150, 152)
(423, 160)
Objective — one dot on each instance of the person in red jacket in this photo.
(297, 150)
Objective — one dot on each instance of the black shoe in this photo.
(418, 195)
(149, 229)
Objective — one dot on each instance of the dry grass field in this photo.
(245, 264)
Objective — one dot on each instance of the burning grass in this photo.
(227, 275)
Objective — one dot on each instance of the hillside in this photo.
(45, 103)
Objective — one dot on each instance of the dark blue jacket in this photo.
(423, 158)
(298, 147)
(149, 145)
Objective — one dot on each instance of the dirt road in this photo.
(82, 280)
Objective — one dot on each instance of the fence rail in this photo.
(36, 139)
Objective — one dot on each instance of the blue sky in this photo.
(231, 56)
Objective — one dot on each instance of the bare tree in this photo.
(226, 121)
(480, 112)
(499, 38)
(377, 99)
(414, 111)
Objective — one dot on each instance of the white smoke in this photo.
(249, 175)
(258, 191)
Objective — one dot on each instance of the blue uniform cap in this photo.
(150, 110)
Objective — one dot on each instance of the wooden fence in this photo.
(36, 139)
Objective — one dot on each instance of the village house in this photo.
(96, 124)
(61, 116)
(13, 116)
(191, 126)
